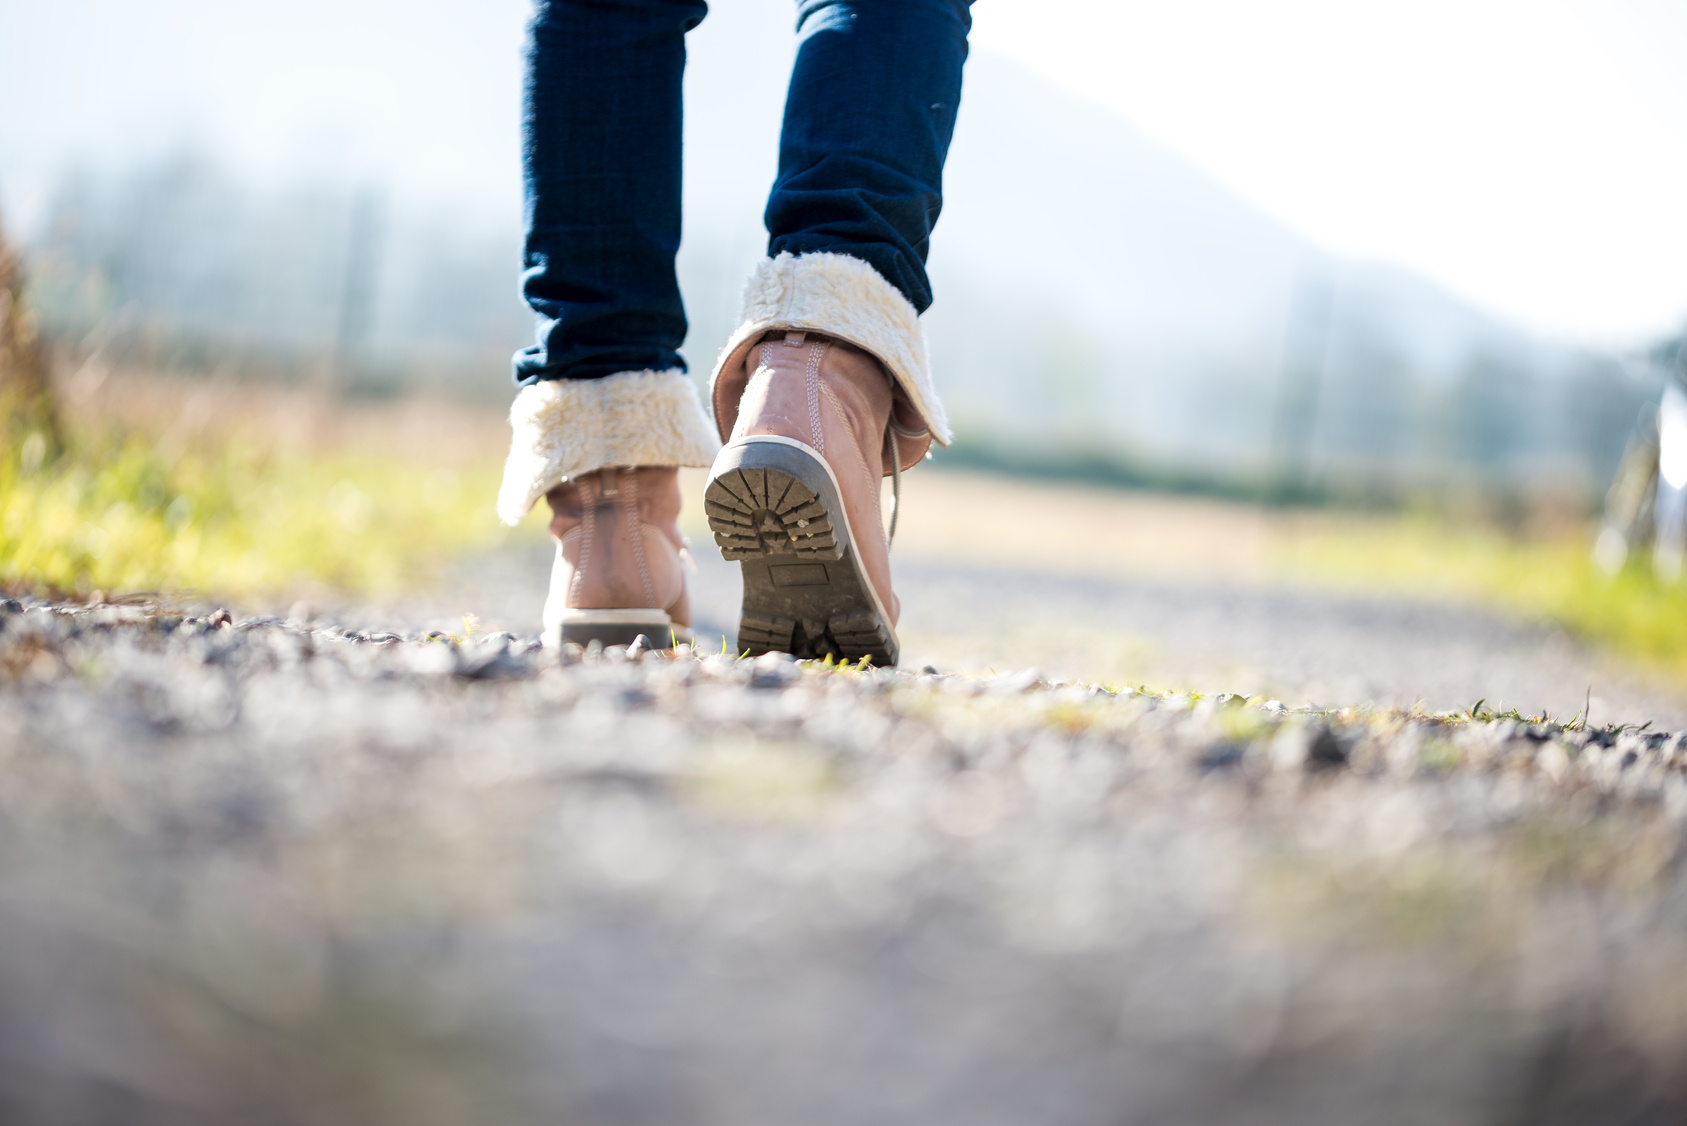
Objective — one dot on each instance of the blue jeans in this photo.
(868, 120)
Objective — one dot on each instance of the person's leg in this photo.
(868, 122)
(826, 380)
(601, 133)
(605, 407)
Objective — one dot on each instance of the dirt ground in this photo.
(995, 574)
(258, 872)
(336, 870)
(1129, 588)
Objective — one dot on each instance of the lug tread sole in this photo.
(755, 512)
(804, 592)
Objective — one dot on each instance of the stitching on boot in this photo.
(742, 422)
(635, 528)
(860, 458)
(811, 380)
(588, 520)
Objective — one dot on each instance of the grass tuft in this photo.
(116, 510)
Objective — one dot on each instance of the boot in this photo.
(618, 572)
(822, 389)
(795, 496)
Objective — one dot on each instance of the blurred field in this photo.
(229, 490)
(219, 489)
(1541, 572)
(255, 871)
(341, 869)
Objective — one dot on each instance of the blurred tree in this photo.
(1491, 407)
(1294, 421)
(26, 398)
(1599, 405)
(1368, 410)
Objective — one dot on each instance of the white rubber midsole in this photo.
(638, 616)
(559, 614)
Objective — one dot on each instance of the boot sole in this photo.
(774, 507)
(611, 627)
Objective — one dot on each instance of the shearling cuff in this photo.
(565, 427)
(843, 297)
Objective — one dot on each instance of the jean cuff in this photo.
(843, 297)
(561, 428)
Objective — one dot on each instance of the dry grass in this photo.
(1544, 572)
(177, 414)
(242, 491)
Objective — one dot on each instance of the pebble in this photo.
(691, 879)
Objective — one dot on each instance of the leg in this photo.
(826, 384)
(605, 411)
(868, 122)
(602, 154)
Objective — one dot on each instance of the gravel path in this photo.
(258, 873)
(1303, 647)
(1299, 645)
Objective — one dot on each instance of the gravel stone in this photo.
(254, 871)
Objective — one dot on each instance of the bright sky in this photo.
(421, 95)
(1528, 154)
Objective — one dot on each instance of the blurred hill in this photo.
(1102, 306)
(1166, 321)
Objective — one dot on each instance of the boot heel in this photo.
(774, 507)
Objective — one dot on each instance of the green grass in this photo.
(114, 512)
(1546, 577)
(117, 512)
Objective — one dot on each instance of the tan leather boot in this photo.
(794, 495)
(618, 572)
